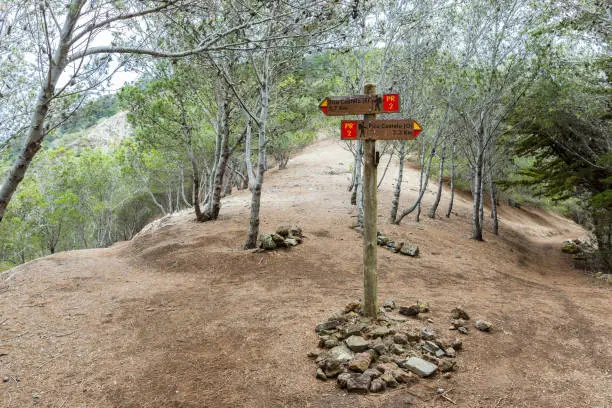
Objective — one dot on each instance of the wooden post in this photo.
(370, 210)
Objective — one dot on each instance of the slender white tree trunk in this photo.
(251, 241)
(452, 182)
(477, 195)
(434, 207)
(398, 184)
(37, 130)
(494, 206)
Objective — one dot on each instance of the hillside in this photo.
(107, 132)
(180, 316)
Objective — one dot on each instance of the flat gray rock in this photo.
(341, 353)
(357, 343)
(358, 384)
(419, 366)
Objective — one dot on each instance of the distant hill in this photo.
(106, 133)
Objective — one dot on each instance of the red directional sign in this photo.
(360, 104)
(390, 129)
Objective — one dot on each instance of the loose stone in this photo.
(483, 325)
(360, 362)
(331, 343)
(447, 365)
(427, 333)
(267, 242)
(420, 367)
(354, 329)
(396, 349)
(409, 250)
(459, 313)
(388, 378)
(412, 310)
(330, 324)
(400, 338)
(380, 332)
(356, 343)
(389, 304)
(341, 353)
(458, 323)
(343, 378)
(413, 335)
(403, 377)
(463, 330)
(352, 306)
(321, 375)
(333, 368)
(386, 367)
(378, 346)
(372, 373)
(423, 307)
(378, 385)
(358, 384)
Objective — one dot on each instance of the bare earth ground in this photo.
(182, 317)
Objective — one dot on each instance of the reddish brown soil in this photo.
(182, 317)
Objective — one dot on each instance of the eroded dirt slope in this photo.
(182, 317)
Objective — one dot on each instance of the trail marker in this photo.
(390, 129)
(360, 104)
(369, 130)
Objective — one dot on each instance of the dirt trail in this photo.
(181, 317)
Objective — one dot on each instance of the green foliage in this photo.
(72, 201)
(563, 126)
(88, 115)
(291, 125)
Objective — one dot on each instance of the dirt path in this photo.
(181, 317)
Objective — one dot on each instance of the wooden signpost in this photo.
(369, 130)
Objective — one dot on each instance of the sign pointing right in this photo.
(389, 129)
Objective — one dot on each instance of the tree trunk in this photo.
(422, 190)
(434, 207)
(482, 197)
(452, 182)
(359, 181)
(494, 206)
(382, 178)
(251, 241)
(247, 154)
(214, 203)
(477, 196)
(370, 207)
(37, 130)
(195, 178)
(398, 185)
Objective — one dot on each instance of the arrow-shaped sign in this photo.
(360, 104)
(390, 129)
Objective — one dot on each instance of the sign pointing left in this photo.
(360, 104)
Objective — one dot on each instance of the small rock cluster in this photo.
(579, 250)
(284, 237)
(459, 322)
(370, 356)
(604, 276)
(386, 242)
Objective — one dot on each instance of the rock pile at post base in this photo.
(372, 356)
(284, 237)
(388, 243)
